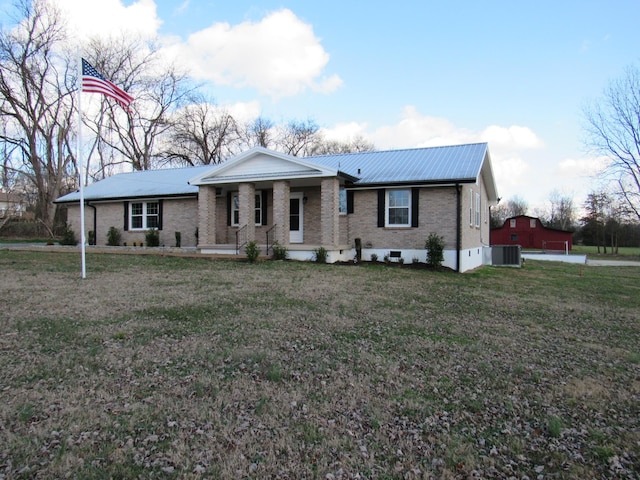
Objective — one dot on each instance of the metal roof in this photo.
(419, 165)
(435, 165)
(148, 183)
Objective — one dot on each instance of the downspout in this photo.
(95, 223)
(458, 225)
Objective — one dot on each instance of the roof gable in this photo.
(260, 164)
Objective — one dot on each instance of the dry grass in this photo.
(158, 367)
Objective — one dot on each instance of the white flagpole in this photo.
(80, 161)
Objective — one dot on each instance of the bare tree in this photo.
(299, 138)
(613, 130)
(136, 136)
(202, 135)
(562, 213)
(511, 208)
(36, 102)
(259, 133)
(332, 147)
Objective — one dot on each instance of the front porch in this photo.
(272, 198)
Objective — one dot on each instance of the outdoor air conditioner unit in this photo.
(506, 255)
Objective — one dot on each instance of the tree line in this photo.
(604, 220)
(170, 123)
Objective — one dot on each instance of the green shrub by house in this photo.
(113, 237)
(152, 237)
(435, 250)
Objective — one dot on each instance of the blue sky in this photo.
(407, 73)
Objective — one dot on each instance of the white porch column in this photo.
(329, 212)
(206, 215)
(281, 210)
(247, 209)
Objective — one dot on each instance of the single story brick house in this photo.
(529, 232)
(383, 202)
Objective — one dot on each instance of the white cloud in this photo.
(279, 56)
(109, 17)
(511, 137)
(584, 167)
(345, 131)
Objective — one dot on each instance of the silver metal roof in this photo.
(420, 165)
(458, 163)
(147, 183)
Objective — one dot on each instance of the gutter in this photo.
(458, 225)
(95, 222)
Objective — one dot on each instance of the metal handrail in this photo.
(270, 243)
(241, 238)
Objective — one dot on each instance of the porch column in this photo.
(281, 210)
(206, 215)
(247, 209)
(329, 212)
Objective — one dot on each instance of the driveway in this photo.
(613, 263)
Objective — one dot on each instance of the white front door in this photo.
(296, 217)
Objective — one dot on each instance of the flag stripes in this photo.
(93, 82)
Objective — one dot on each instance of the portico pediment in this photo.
(260, 164)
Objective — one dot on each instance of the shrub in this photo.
(178, 239)
(280, 252)
(91, 237)
(435, 250)
(252, 251)
(113, 237)
(387, 259)
(152, 237)
(320, 255)
(374, 257)
(68, 237)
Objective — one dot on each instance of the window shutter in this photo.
(229, 200)
(263, 210)
(415, 200)
(381, 206)
(126, 216)
(160, 214)
(350, 201)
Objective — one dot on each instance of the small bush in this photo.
(435, 250)
(252, 251)
(374, 257)
(68, 237)
(178, 239)
(320, 255)
(387, 259)
(280, 252)
(113, 237)
(152, 237)
(91, 237)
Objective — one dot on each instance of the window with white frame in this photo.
(477, 210)
(235, 209)
(342, 206)
(144, 215)
(532, 223)
(398, 208)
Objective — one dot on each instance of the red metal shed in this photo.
(529, 232)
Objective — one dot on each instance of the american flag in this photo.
(93, 82)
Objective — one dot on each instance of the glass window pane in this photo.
(152, 208)
(136, 209)
(343, 201)
(136, 222)
(152, 221)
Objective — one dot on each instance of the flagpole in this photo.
(80, 169)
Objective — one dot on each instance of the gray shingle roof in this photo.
(148, 183)
(420, 165)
